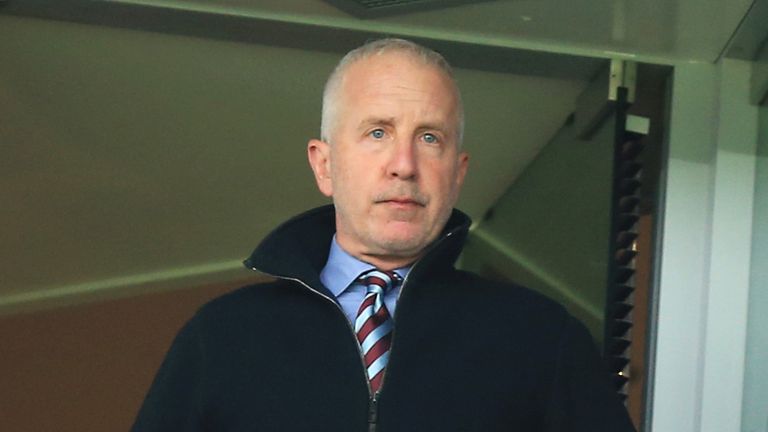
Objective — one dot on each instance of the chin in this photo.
(404, 244)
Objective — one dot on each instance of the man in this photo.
(368, 326)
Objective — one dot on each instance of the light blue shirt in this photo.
(339, 275)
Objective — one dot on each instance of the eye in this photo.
(429, 138)
(377, 133)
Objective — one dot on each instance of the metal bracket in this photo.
(638, 125)
(623, 74)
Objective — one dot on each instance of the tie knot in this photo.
(377, 279)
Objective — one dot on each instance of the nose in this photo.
(402, 164)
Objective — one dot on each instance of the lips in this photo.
(403, 201)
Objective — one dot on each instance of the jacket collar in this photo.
(298, 249)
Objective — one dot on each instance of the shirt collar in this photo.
(342, 269)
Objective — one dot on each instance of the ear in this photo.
(319, 155)
(461, 172)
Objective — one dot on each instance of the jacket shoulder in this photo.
(244, 301)
(512, 296)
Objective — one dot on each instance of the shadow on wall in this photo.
(87, 368)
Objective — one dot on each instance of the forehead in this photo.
(404, 67)
(398, 81)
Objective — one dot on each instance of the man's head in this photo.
(374, 48)
(390, 155)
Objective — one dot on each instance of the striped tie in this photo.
(373, 324)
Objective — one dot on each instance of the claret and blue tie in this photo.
(374, 324)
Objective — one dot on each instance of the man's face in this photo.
(393, 168)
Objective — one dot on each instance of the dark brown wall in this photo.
(87, 368)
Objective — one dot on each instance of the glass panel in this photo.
(755, 404)
(549, 231)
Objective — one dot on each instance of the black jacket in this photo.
(467, 354)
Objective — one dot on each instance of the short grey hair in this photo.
(378, 47)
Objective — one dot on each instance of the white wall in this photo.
(706, 246)
(755, 404)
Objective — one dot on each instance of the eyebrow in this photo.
(371, 121)
(433, 126)
(390, 121)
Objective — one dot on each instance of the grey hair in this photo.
(378, 47)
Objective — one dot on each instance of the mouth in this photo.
(402, 202)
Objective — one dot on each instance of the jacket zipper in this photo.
(373, 411)
(392, 340)
(373, 405)
(373, 398)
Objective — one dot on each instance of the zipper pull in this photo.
(373, 413)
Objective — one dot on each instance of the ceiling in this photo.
(660, 31)
(151, 144)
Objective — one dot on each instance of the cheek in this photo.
(351, 188)
(442, 179)
(358, 175)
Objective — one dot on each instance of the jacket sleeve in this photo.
(582, 398)
(174, 400)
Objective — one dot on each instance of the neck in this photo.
(386, 263)
(382, 261)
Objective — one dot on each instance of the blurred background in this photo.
(148, 146)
